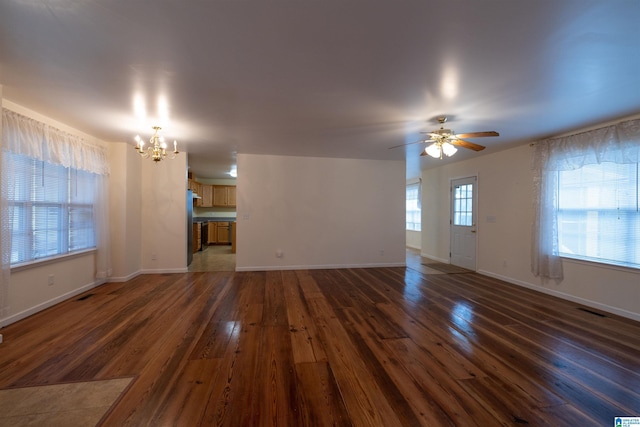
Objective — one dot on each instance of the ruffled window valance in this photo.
(26, 136)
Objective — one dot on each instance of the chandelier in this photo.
(157, 148)
(438, 148)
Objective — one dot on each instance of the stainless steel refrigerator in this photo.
(189, 227)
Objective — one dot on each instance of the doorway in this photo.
(214, 258)
(464, 203)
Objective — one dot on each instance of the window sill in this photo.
(49, 260)
(599, 264)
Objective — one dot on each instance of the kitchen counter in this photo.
(216, 219)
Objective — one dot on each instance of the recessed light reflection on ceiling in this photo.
(156, 115)
(163, 109)
(139, 106)
(449, 84)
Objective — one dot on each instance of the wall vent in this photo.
(586, 310)
(85, 297)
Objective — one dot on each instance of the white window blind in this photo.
(53, 209)
(599, 213)
(413, 207)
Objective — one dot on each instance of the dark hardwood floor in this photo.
(363, 347)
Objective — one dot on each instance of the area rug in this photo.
(446, 268)
(76, 404)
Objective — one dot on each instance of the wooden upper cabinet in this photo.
(224, 195)
(231, 196)
(219, 195)
(213, 195)
(207, 196)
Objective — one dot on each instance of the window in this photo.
(463, 205)
(413, 207)
(53, 209)
(587, 181)
(598, 213)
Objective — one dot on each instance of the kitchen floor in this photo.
(214, 258)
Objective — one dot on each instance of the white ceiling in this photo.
(329, 78)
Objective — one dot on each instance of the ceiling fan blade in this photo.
(409, 143)
(477, 134)
(423, 153)
(467, 144)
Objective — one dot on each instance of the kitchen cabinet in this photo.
(223, 235)
(197, 240)
(231, 196)
(196, 187)
(224, 195)
(219, 233)
(207, 196)
(213, 232)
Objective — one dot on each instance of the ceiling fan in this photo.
(444, 141)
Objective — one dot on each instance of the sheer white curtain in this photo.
(618, 143)
(29, 137)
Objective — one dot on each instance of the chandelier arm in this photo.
(157, 149)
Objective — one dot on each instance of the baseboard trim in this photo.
(165, 271)
(125, 278)
(562, 295)
(319, 267)
(50, 303)
(435, 258)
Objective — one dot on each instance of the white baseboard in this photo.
(319, 267)
(46, 304)
(165, 271)
(435, 258)
(124, 278)
(582, 301)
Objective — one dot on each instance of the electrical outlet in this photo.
(51, 280)
(154, 257)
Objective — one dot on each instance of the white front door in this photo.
(464, 202)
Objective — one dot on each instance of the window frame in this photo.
(417, 226)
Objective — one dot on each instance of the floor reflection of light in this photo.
(462, 318)
(412, 285)
(465, 344)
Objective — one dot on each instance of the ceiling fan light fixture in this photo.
(434, 150)
(449, 149)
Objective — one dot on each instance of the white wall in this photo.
(414, 239)
(164, 215)
(505, 192)
(320, 212)
(125, 212)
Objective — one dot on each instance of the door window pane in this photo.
(462, 205)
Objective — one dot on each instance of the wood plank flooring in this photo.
(361, 347)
